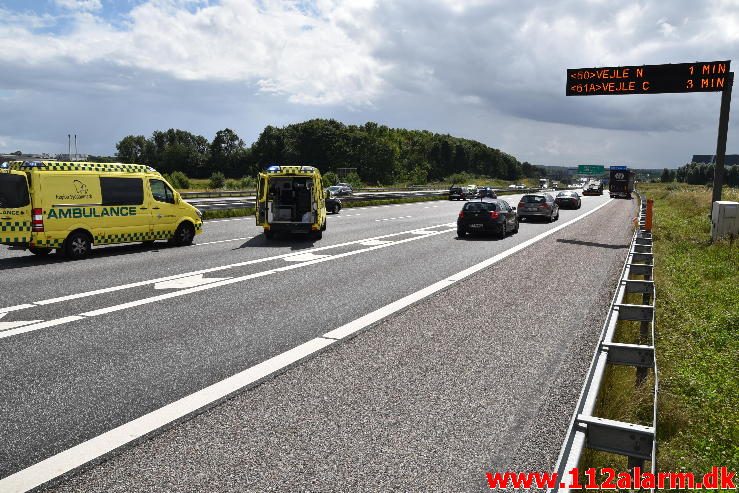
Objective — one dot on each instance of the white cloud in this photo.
(475, 68)
(84, 5)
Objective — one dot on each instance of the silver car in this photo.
(538, 205)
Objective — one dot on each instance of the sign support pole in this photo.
(723, 128)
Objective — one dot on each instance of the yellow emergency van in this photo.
(70, 206)
(290, 199)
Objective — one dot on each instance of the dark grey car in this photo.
(487, 216)
(538, 205)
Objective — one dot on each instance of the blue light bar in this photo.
(273, 168)
(307, 169)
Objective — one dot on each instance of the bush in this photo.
(247, 182)
(330, 178)
(232, 184)
(179, 180)
(217, 180)
(352, 179)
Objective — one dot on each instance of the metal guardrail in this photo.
(636, 442)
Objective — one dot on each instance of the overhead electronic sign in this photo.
(649, 79)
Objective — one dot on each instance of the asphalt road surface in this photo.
(479, 376)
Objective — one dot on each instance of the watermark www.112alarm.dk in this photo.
(607, 478)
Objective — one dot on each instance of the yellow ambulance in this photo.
(70, 206)
(291, 199)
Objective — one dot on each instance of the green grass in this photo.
(225, 213)
(697, 330)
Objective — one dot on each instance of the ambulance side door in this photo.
(15, 208)
(126, 214)
(164, 211)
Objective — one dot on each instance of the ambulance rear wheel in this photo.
(40, 251)
(77, 245)
(269, 234)
(317, 235)
(184, 235)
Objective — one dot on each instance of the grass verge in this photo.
(225, 213)
(697, 331)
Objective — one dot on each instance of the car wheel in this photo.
(337, 208)
(503, 231)
(77, 245)
(40, 251)
(184, 234)
(516, 229)
(461, 232)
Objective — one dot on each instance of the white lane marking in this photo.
(373, 242)
(212, 285)
(201, 271)
(392, 218)
(33, 327)
(187, 282)
(16, 308)
(304, 257)
(224, 241)
(369, 319)
(17, 323)
(72, 458)
(209, 221)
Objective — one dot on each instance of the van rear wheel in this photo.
(184, 234)
(77, 245)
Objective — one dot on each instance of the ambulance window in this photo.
(122, 191)
(13, 191)
(161, 192)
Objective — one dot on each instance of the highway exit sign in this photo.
(589, 169)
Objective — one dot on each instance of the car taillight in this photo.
(461, 214)
(493, 214)
(37, 221)
(520, 205)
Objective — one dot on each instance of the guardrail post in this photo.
(648, 221)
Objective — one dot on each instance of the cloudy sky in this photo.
(490, 70)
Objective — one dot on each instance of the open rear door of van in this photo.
(15, 208)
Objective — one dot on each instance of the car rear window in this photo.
(13, 191)
(480, 206)
(533, 199)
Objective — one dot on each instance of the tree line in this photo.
(380, 155)
(700, 174)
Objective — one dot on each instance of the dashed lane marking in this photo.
(79, 455)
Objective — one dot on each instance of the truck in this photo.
(621, 182)
(291, 199)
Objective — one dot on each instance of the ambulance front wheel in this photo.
(77, 245)
(184, 235)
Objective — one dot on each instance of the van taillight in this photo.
(521, 204)
(37, 221)
(493, 214)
